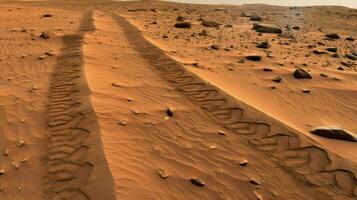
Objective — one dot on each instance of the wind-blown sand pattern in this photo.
(118, 103)
(318, 166)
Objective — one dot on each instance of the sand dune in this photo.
(117, 103)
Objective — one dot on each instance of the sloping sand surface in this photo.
(108, 100)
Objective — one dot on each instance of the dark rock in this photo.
(277, 79)
(263, 45)
(198, 182)
(215, 46)
(267, 69)
(333, 36)
(169, 112)
(180, 18)
(335, 55)
(340, 68)
(45, 35)
(211, 24)
(301, 74)
(47, 15)
(296, 28)
(351, 56)
(255, 18)
(183, 25)
(350, 39)
(318, 52)
(255, 58)
(306, 91)
(334, 133)
(332, 49)
(267, 28)
(346, 64)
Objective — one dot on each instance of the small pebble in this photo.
(163, 174)
(198, 182)
(243, 163)
(169, 112)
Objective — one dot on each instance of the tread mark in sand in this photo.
(311, 162)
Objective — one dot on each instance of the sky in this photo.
(347, 3)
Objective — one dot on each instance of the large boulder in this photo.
(266, 28)
(334, 133)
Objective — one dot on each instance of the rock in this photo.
(243, 163)
(6, 152)
(115, 85)
(331, 49)
(203, 33)
(302, 74)
(255, 18)
(254, 181)
(45, 35)
(215, 46)
(222, 133)
(169, 112)
(296, 28)
(324, 75)
(49, 53)
(277, 79)
(267, 69)
(183, 25)
(333, 36)
(180, 18)
(243, 14)
(266, 28)
(334, 133)
(47, 15)
(351, 56)
(255, 58)
(211, 24)
(306, 91)
(350, 39)
(2, 171)
(163, 174)
(198, 182)
(123, 123)
(318, 52)
(15, 164)
(20, 143)
(263, 45)
(346, 64)
(340, 68)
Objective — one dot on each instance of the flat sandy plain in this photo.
(109, 100)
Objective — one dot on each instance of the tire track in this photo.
(322, 169)
(69, 114)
